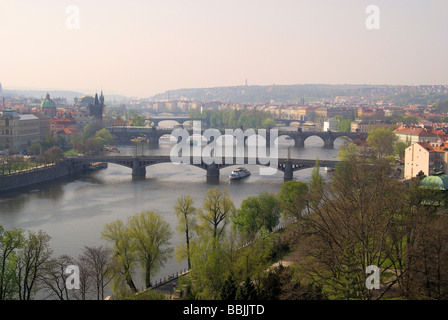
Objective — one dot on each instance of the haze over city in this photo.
(142, 48)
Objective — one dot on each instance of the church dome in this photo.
(48, 103)
(436, 182)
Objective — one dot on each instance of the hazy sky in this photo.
(144, 47)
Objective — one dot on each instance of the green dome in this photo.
(48, 103)
(437, 182)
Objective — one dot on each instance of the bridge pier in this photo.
(212, 171)
(138, 170)
(299, 142)
(289, 173)
(328, 143)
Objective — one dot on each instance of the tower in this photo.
(96, 109)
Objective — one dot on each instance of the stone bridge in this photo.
(139, 164)
(152, 135)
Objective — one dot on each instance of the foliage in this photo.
(382, 141)
(186, 214)
(144, 239)
(233, 119)
(293, 197)
(138, 120)
(10, 242)
(216, 212)
(257, 213)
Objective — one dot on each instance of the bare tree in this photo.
(32, 259)
(99, 266)
(54, 277)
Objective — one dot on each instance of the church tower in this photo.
(96, 109)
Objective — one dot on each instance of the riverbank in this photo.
(17, 180)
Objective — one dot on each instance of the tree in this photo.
(104, 136)
(382, 141)
(400, 149)
(33, 256)
(316, 185)
(151, 236)
(350, 228)
(216, 212)
(99, 264)
(53, 277)
(410, 120)
(229, 289)
(257, 213)
(186, 214)
(138, 120)
(293, 198)
(247, 291)
(10, 242)
(211, 267)
(123, 253)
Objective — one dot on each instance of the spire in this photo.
(96, 99)
(102, 97)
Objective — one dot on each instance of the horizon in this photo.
(148, 48)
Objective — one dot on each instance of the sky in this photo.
(140, 48)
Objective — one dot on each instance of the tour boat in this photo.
(239, 173)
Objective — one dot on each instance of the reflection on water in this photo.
(74, 211)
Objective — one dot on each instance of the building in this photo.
(44, 124)
(48, 107)
(18, 131)
(119, 122)
(96, 109)
(364, 126)
(414, 134)
(63, 129)
(426, 157)
(330, 125)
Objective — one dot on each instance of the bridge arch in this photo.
(313, 139)
(343, 139)
(167, 139)
(168, 123)
(285, 139)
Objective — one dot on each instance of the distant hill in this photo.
(265, 94)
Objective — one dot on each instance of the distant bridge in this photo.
(139, 164)
(153, 135)
(182, 119)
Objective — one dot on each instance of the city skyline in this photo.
(145, 48)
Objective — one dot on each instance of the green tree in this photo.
(151, 235)
(348, 151)
(138, 120)
(400, 149)
(382, 141)
(10, 242)
(216, 212)
(247, 291)
(104, 136)
(229, 289)
(257, 213)
(123, 253)
(186, 215)
(293, 198)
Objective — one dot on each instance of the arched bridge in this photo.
(139, 164)
(153, 135)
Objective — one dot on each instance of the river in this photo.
(73, 211)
